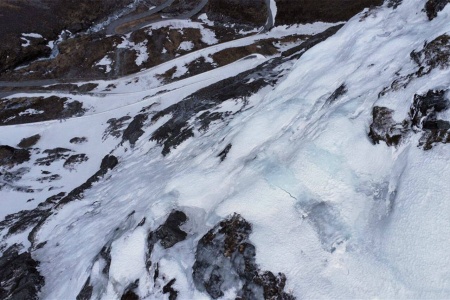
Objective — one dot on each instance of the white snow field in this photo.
(340, 217)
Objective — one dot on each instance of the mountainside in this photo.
(216, 149)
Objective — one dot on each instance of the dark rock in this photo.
(225, 259)
(49, 178)
(168, 289)
(422, 117)
(224, 152)
(29, 142)
(129, 295)
(297, 52)
(432, 7)
(13, 176)
(134, 130)
(384, 128)
(115, 126)
(310, 11)
(105, 254)
(22, 220)
(427, 105)
(19, 275)
(249, 12)
(78, 140)
(338, 93)
(394, 3)
(109, 162)
(74, 160)
(170, 233)
(17, 110)
(52, 156)
(435, 54)
(10, 156)
(86, 291)
(53, 17)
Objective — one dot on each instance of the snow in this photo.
(32, 35)
(186, 46)
(106, 62)
(341, 217)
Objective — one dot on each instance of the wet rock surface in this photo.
(19, 275)
(225, 259)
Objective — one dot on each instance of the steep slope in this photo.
(314, 172)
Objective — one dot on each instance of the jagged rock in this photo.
(134, 130)
(52, 156)
(86, 291)
(432, 7)
(170, 233)
(435, 54)
(225, 259)
(224, 152)
(109, 162)
(422, 117)
(394, 3)
(427, 106)
(78, 140)
(115, 126)
(10, 156)
(19, 275)
(29, 141)
(384, 128)
(74, 160)
(338, 93)
(168, 289)
(20, 221)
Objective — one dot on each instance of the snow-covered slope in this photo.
(275, 178)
